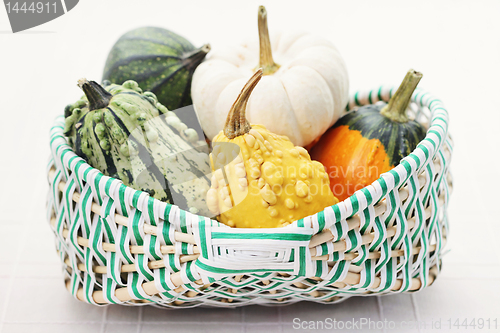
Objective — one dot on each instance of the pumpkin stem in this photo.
(236, 122)
(193, 59)
(398, 104)
(98, 97)
(266, 61)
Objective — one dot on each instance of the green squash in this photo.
(159, 60)
(369, 141)
(128, 135)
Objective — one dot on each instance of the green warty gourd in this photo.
(127, 134)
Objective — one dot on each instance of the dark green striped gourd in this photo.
(369, 141)
(389, 123)
(159, 60)
(127, 134)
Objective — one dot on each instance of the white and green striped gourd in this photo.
(127, 134)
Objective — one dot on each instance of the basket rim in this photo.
(424, 152)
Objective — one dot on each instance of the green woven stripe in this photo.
(367, 195)
(363, 255)
(410, 202)
(96, 184)
(356, 100)
(172, 263)
(369, 273)
(219, 270)
(73, 235)
(60, 221)
(122, 246)
(379, 94)
(152, 248)
(55, 191)
(184, 248)
(319, 268)
(365, 222)
(88, 284)
(321, 221)
(182, 214)
(142, 264)
(354, 240)
(389, 274)
(203, 237)
(338, 215)
(262, 236)
(166, 213)
(96, 240)
(394, 205)
(189, 274)
(384, 256)
(163, 274)
(107, 226)
(109, 291)
(383, 186)
(135, 283)
(135, 227)
(122, 200)
(68, 199)
(339, 269)
(86, 203)
(430, 175)
(152, 217)
(76, 173)
(381, 234)
(354, 204)
(165, 234)
(419, 221)
(112, 263)
(403, 225)
(107, 186)
(135, 199)
(302, 261)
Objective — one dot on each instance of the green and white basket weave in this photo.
(118, 245)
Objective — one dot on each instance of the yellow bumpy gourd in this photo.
(260, 179)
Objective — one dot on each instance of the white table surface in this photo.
(456, 45)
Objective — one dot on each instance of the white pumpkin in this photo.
(300, 96)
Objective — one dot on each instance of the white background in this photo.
(456, 44)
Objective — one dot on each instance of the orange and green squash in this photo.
(369, 141)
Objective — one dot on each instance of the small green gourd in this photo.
(127, 134)
(159, 60)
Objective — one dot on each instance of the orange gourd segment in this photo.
(352, 161)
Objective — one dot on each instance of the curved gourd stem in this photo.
(236, 122)
(396, 109)
(197, 56)
(98, 97)
(266, 61)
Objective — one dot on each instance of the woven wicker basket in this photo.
(118, 245)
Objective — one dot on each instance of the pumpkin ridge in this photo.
(295, 120)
